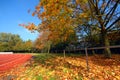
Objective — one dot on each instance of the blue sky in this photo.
(15, 12)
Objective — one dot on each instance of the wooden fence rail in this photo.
(86, 52)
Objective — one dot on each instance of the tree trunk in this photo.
(107, 50)
(49, 48)
(106, 43)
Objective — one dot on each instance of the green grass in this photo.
(42, 57)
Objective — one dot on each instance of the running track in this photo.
(8, 61)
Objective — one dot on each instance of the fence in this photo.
(86, 51)
(115, 49)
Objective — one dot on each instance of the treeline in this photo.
(13, 42)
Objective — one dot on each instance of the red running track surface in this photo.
(8, 61)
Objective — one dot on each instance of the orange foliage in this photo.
(41, 41)
(30, 26)
(56, 19)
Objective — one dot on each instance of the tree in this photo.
(61, 17)
(28, 45)
(89, 34)
(106, 14)
(42, 42)
(8, 41)
(56, 21)
(13, 42)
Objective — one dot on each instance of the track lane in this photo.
(11, 63)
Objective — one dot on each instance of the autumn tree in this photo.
(56, 21)
(61, 17)
(42, 42)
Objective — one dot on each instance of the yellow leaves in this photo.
(31, 26)
(69, 69)
(83, 15)
(62, 20)
(56, 18)
(77, 1)
(76, 63)
(81, 1)
(117, 77)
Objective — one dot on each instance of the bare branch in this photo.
(113, 23)
(103, 3)
(106, 6)
(112, 12)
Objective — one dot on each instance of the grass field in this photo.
(72, 67)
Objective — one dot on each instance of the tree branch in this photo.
(109, 12)
(112, 12)
(106, 6)
(113, 23)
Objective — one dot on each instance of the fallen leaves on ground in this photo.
(69, 68)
